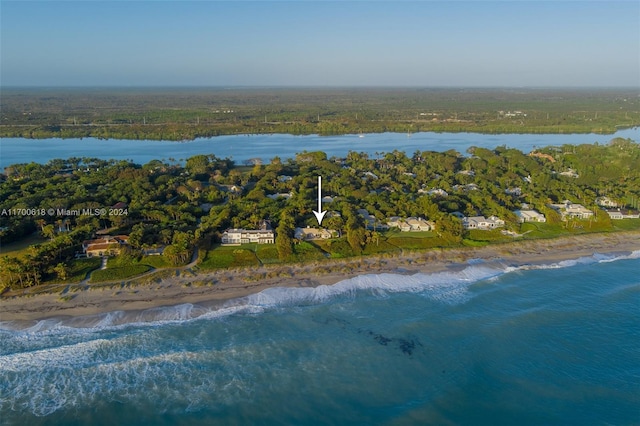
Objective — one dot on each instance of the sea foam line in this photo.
(447, 287)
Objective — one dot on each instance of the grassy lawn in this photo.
(155, 261)
(19, 248)
(267, 253)
(337, 248)
(118, 273)
(229, 257)
(306, 251)
(383, 246)
(494, 236)
(410, 240)
(81, 267)
(626, 224)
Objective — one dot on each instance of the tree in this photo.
(284, 235)
(49, 231)
(62, 271)
(198, 164)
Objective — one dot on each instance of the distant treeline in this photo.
(184, 114)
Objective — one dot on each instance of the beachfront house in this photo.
(530, 216)
(308, 233)
(106, 245)
(482, 223)
(410, 224)
(567, 209)
(618, 214)
(235, 237)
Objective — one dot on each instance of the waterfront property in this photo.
(529, 216)
(410, 224)
(314, 233)
(567, 209)
(482, 223)
(618, 214)
(106, 245)
(235, 237)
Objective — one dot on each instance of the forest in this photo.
(189, 113)
(184, 209)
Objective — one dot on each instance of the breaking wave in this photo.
(447, 287)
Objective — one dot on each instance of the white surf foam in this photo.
(447, 287)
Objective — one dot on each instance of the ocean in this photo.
(482, 343)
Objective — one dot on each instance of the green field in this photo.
(414, 240)
(80, 268)
(118, 273)
(267, 253)
(229, 257)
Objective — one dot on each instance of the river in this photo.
(244, 147)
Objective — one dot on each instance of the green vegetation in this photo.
(179, 208)
(228, 257)
(81, 268)
(118, 273)
(179, 114)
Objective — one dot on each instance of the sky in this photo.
(320, 43)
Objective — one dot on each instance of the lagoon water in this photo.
(484, 344)
(244, 147)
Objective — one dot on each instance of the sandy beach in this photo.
(211, 288)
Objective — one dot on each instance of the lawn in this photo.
(229, 257)
(155, 261)
(382, 246)
(267, 253)
(118, 273)
(412, 242)
(80, 268)
(493, 235)
(626, 224)
(19, 248)
(306, 251)
(337, 248)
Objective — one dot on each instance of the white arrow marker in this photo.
(319, 214)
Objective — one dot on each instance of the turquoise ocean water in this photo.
(484, 343)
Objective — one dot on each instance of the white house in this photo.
(480, 222)
(235, 237)
(285, 195)
(623, 214)
(420, 224)
(530, 216)
(313, 233)
(606, 202)
(570, 173)
(568, 209)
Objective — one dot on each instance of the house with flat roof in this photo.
(618, 214)
(529, 216)
(482, 223)
(567, 209)
(237, 236)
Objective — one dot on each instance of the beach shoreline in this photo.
(217, 288)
